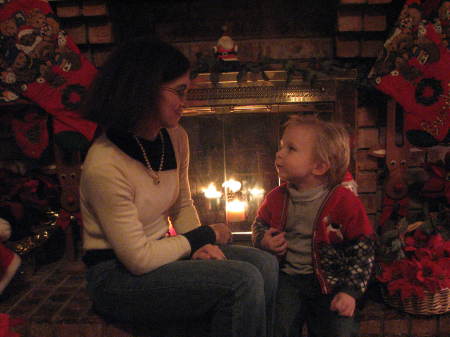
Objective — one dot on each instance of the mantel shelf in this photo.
(254, 94)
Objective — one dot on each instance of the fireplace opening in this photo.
(234, 132)
(232, 163)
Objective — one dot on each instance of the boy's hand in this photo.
(344, 304)
(274, 241)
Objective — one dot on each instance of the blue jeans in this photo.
(238, 293)
(300, 300)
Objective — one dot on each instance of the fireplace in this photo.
(234, 130)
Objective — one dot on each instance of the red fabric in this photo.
(6, 256)
(438, 183)
(414, 69)
(6, 323)
(43, 64)
(341, 207)
(226, 54)
(64, 218)
(31, 134)
(388, 208)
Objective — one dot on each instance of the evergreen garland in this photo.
(309, 69)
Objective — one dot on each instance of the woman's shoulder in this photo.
(102, 153)
(179, 138)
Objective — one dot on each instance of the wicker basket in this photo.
(429, 304)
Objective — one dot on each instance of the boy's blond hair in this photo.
(333, 144)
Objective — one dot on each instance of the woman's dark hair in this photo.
(126, 89)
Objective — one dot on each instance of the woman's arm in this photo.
(183, 214)
(107, 201)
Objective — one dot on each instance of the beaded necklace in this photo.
(152, 173)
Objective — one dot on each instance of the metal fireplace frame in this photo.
(334, 95)
(255, 94)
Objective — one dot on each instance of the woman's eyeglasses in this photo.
(180, 92)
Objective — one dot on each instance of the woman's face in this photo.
(172, 100)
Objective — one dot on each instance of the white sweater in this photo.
(123, 210)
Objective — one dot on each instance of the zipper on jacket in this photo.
(320, 278)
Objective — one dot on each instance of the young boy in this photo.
(319, 230)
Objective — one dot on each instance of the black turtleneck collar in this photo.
(126, 142)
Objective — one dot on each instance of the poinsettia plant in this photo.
(421, 264)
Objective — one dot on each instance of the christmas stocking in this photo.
(30, 132)
(414, 69)
(40, 62)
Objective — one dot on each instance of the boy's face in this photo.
(294, 160)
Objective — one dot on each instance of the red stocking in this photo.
(40, 62)
(31, 133)
(414, 69)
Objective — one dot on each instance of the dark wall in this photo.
(177, 20)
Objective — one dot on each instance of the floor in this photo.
(53, 302)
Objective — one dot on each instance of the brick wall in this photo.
(89, 24)
(361, 27)
(370, 171)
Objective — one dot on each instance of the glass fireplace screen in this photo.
(232, 163)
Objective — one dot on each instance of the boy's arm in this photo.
(359, 261)
(349, 265)
(259, 228)
(261, 223)
(360, 252)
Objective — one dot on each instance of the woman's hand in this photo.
(274, 242)
(208, 252)
(223, 233)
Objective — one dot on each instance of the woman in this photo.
(135, 178)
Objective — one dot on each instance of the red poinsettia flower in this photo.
(405, 288)
(444, 263)
(431, 275)
(410, 269)
(390, 271)
(426, 267)
(424, 253)
(417, 240)
(439, 246)
(386, 273)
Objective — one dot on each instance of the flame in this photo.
(256, 192)
(233, 185)
(211, 192)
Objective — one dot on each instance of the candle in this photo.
(235, 211)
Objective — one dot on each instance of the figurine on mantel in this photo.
(226, 52)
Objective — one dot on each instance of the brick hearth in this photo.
(54, 303)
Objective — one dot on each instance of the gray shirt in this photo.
(302, 211)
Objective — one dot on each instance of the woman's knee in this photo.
(249, 280)
(270, 264)
(264, 261)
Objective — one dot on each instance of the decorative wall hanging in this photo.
(414, 69)
(40, 62)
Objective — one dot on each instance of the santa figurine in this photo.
(226, 52)
(9, 261)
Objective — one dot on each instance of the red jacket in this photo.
(343, 238)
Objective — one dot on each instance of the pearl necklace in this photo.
(150, 171)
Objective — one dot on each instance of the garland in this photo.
(309, 69)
